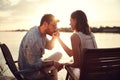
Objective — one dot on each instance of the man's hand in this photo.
(56, 34)
(58, 66)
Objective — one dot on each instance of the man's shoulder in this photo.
(34, 28)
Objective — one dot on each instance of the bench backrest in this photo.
(100, 64)
(10, 62)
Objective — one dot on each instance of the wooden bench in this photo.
(13, 67)
(98, 64)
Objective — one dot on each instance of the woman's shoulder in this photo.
(92, 35)
(74, 35)
(80, 34)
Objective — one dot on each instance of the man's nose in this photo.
(56, 29)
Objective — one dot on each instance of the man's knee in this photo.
(59, 55)
(55, 56)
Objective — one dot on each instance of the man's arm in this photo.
(64, 46)
(50, 43)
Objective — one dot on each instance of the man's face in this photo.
(52, 27)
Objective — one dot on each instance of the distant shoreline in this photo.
(18, 30)
(115, 29)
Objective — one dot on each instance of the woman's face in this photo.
(72, 23)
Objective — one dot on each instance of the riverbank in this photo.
(107, 29)
(101, 29)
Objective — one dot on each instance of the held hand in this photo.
(58, 66)
(68, 64)
(56, 34)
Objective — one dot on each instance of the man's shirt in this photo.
(31, 49)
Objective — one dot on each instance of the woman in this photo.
(81, 38)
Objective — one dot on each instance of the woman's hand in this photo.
(58, 65)
(56, 34)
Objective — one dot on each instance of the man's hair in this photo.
(48, 18)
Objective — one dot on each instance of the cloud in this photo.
(30, 11)
(4, 5)
(21, 12)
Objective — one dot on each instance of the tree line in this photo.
(101, 29)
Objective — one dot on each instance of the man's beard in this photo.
(49, 33)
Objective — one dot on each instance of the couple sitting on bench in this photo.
(35, 41)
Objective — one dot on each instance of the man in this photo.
(33, 47)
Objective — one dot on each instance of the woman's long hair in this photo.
(81, 22)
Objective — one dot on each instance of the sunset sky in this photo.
(23, 14)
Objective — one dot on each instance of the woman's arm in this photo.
(76, 44)
(65, 47)
(50, 43)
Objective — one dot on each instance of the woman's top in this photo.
(87, 41)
